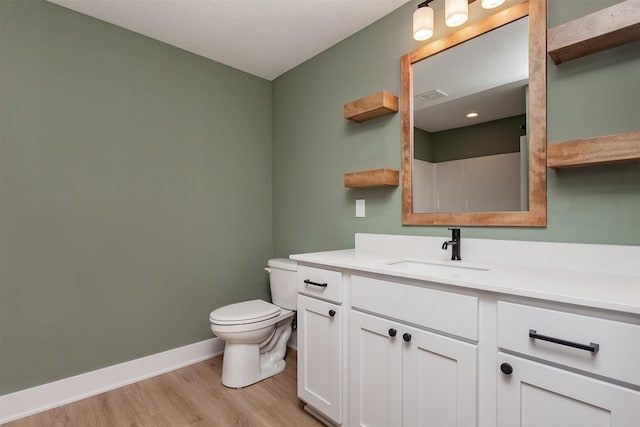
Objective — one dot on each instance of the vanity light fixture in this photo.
(456, 12)
(423, 22)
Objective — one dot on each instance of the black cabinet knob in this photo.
(506, 369)
(406, 336)
(332, 313)
(392, 332)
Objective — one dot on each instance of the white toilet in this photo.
(256, 332)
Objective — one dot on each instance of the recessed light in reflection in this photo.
(472, 115)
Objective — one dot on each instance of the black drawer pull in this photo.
(309, 282)
(592, 347)
(332, 313)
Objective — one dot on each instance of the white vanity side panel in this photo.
(619, 343)
(448, 312)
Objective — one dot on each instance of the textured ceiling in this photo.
(261, 37)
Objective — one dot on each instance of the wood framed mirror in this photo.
(532, 211)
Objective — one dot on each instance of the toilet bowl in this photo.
(256, 332)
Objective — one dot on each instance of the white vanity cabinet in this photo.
(320, 341)
(519, 334)
(584, 371)
(404, 375)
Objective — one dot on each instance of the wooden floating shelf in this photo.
(601, 150)
(372, 178)
(601, 30)
(371, 107)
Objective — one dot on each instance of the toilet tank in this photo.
(283, 276)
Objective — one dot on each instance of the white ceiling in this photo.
(265, 38)
(487, 75)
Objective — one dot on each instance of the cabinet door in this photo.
(320, 356)
(535, 394)
(375, 371)
(439, 380)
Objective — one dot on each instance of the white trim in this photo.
(43, 397)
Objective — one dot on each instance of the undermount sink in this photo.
(426, 265)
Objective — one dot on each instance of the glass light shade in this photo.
(423, 23)
(456, 12)
(490, 4)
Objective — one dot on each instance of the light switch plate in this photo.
(360, 208)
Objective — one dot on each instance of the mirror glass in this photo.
(469, 124)
(490, 168)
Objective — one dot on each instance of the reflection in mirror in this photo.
(469, 141)
(489, 169)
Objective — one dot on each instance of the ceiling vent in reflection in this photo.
(428, 98)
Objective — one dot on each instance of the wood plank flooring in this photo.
(190, 396)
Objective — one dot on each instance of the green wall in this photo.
(142, 186)
(313, 145)
(422, 145)
(135, 193)
(484, 139)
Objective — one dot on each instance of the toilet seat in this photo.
(243, 313)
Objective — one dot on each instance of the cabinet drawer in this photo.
(610, 348)
(442, 311)
(320, 283)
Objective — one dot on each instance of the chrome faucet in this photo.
(455, 244)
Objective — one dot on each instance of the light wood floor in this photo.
(191, 396)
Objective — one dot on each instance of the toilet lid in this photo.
(244, 312)
(283, 264)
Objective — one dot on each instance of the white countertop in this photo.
(602, 288)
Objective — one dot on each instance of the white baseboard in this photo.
(43, 397)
